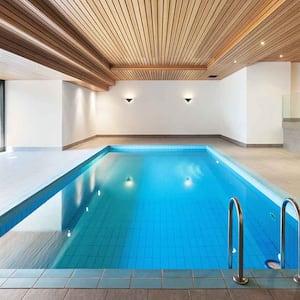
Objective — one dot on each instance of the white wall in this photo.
(159, 108)
(33, 117)
(295, 77)
(233, 105)
(78, 113)
(267, 82)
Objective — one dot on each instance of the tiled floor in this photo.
(277, 165)
(149, 294)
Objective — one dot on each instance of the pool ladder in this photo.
(282, 234)
(239, 278)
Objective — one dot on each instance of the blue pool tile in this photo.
(23, 273)
(207, 273)
(51, 282)
(177, 273)
(87, 273)
(82, 283)
(214, 283)
(177, 283)
(117, 273)
(147, 274)
(114, 283)
(6, 272)
(19, 283)
(146, 283)
(58, 273)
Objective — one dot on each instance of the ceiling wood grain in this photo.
(100, 41)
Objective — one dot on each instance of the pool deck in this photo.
(277, 165)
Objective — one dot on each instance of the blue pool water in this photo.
(150, 208)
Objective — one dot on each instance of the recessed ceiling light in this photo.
(234, 61)
(262, 43)
(281, 55)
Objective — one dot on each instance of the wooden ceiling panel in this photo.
(107, 40)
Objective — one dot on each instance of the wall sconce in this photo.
(188, 100)
(128, 99)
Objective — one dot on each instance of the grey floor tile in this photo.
(232, 285)
(45, 294)
(19, 283)
(146, 283)
(253, 294)
(12, 294)
(266, 273)
(272, 283)
(127, 294)
(51, 283)
(207, 273)
(116, 273)
(23, 273)
(86, 294)
(208, 294)
(82, 283)
(177, 273)
(6, 272)
(147, 273)
(286, 294)
(177, 283)
(216, 283)
(117, 283)
(168, 295)
(57, 273)
(87, 273)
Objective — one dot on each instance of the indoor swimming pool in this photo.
(146, 207)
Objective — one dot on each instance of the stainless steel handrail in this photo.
(282, 234)
(239, 278)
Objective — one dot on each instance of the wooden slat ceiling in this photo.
(100, 41)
